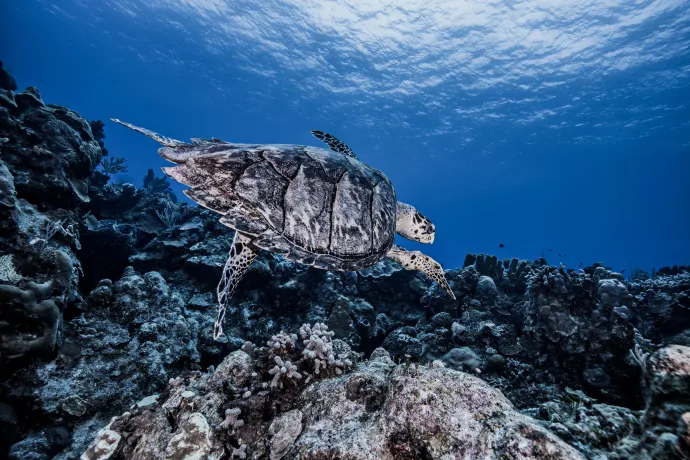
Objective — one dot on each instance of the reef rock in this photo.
(51, 151)
(379, 410)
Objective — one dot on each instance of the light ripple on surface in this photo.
(462, 63)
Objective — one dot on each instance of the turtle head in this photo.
(412, 224)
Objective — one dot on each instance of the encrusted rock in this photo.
(7, 99)
(283, 431)
(400, 342)
(670, 371)
(192, 441)
(443, 319)
(380, 410)
(74, 405)
(30, 97)
(462, 359)
(486, 288)
(105, 444)
(236, 370)
(443, 412)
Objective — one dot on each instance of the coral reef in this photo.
(107, 306)
(377, 410)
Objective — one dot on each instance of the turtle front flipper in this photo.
(333, 143)
(242, 254)
(415, 260)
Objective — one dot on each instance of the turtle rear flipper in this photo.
(415, 260)
(241, 256)
(167, 141)
(174, 150)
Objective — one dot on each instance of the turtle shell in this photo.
(313, 205)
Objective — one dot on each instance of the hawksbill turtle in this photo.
(318, 207)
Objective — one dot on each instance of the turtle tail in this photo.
(174, 150)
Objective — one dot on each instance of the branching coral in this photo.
(113, 165)
(155, 184)
(240, 452)
(640, 357)
(318, 346)
(282, 342)
(52, 228)
(169, 215)
(232, 419)
(514, 270)
(286, 368)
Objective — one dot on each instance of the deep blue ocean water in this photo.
(561, 125)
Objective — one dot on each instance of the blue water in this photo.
(539, 125)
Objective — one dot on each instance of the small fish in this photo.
(550, 250)
(501, 245)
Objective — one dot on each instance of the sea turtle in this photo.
(315, 206)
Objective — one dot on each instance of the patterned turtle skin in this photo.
(318, 207)
(315, 206)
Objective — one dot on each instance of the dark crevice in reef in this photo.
(108, 292)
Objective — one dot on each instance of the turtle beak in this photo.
(431, 230)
